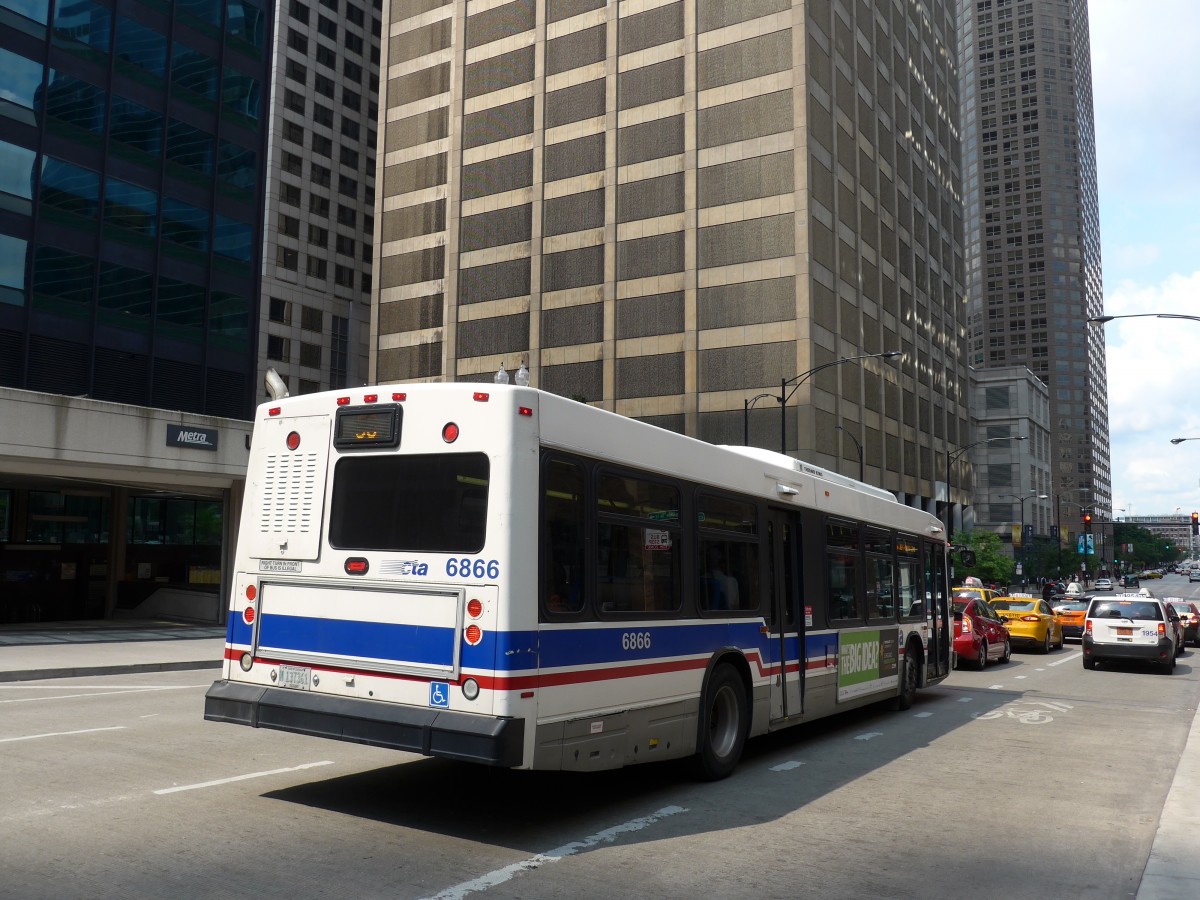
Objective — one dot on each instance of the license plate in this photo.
(1124, 631)
(297, 677)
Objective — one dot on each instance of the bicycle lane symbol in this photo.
(1025, 715)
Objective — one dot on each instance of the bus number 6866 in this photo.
(635, 640)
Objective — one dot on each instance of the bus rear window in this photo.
(435, 503)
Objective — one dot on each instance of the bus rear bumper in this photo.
(430, 732)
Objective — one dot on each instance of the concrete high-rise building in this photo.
(1032, 224)
(668, 208)
(315, 316)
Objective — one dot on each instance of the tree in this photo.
(991, 562)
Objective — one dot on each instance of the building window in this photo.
(343, 276)
(353, 71)
(349, 157)
(293, 101)
(286, 258)
(346, 215)
(289, 194)
(278, 348)
(338, 351)
(297, 41)
(322, 146)
(292, 164)
(318, 236)
(312, 319)
(289, 225)
(322, 115)
(350, 128)
(316, 267)
(351, 100)
(293, 132)
(327, 27)
(347, 186)
(353, 43)
(309, 387)
(320, 175)
(345, 245)
(324, 85)
(280, 311)
(318, 205)
(310, 355)
(326, 57)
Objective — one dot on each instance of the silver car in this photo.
(1103, 584)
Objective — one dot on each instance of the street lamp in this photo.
(795, 381)
(859, 446)
(749, 405)
(953, 454)
(1024, 547)
(1100, 320)
(1181, 440)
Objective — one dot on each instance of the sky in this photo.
(1146, 94)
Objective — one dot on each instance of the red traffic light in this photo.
(1087, 518)
(1195, 518)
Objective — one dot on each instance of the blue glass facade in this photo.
(132, 155)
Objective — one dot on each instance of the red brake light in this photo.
(251, 592)
(293, 440)
(474, 608)
(356, 565)
(371, 398)
(343, 401)
(524, 411)
(399, 396)
(473, 634)
(1029, 619)
(450, 433)
(274, 411)
(1088, 626)
(967, 627)
(1162, 629)
(480, 397)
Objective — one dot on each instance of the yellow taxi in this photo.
(972, 588)
(1030, 621)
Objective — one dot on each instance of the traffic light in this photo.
(1195, 523)
(1087, 522)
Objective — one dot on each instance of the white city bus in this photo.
(501, 575)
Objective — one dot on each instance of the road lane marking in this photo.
(784, 767)
(868, 735)
(499, 876)
(109, 693)
(923, 715)
(1071, 658)
(220, 781)
(30, 737)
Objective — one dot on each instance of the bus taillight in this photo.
(356, 565)
(450, 433)
(293, 440)
(474, 608)
(251, 592)
(473, 635)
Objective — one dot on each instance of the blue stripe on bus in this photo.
(521, 651)
(418, 644)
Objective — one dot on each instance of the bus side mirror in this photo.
(967, 557)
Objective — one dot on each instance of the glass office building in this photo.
(1033, 237)
(132, 142)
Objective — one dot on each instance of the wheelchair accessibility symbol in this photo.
(439, 694)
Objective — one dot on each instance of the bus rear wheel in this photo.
(724, 721)
(909, 676)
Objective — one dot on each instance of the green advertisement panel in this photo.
(868, 661)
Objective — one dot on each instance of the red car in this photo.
(1189, 618)
(979, 633)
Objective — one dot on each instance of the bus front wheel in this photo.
(724, 721)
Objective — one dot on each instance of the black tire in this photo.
(1168, 667)
(1089, 662)
(981, 663)
(1062, 640)
(1006, 656)
(723, 723)
(909, 676)
(1046, 644)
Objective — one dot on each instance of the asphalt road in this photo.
(1035, 779)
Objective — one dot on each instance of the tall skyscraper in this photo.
(315, 316)
(668, 208)
(1032, 225)
(131, 196)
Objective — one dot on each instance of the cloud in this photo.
(1153, 371)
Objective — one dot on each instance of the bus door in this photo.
(941, 622)
(787, 623)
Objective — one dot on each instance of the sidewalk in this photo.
(72, 649)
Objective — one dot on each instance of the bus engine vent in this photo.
(289, 494)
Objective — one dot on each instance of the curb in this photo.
(82, 671)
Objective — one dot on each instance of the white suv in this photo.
(1130, 627)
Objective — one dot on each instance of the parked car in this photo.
(1070, 615)
(1193, 574)
(1103, 584)
(1137, 627)
(1189, 617)
(1131, 581)
(1030, 621)
(979, 633)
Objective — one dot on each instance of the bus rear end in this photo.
(373, 571)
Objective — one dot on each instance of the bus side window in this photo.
(562, 538)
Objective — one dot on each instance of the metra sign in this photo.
(191, 436)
